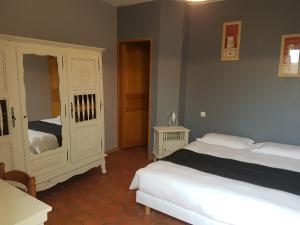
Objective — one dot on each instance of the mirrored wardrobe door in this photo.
(42, 103)
(45, 122)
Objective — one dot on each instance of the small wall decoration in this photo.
(231, 41)
(289, 65)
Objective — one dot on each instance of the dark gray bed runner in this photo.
(269, 177)
(49, 128)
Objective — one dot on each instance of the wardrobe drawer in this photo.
(173, 145)
(47, 162)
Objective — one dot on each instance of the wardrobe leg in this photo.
(147, 211)
(103, 168)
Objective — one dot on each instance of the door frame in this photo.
(119, 105)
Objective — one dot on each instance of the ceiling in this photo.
(118, 3)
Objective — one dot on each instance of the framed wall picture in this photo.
(289, 65)
(231, 41)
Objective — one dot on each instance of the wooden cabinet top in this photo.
(171, 129)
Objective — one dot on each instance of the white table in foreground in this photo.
(19, 208)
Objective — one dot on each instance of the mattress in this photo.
(222, 199)
(40, 142)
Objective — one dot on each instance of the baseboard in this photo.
(112, 150)
(150, 156)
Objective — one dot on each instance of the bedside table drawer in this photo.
(171, 146)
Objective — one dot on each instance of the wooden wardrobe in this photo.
(79, 104)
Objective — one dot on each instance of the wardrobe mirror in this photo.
(43, 104)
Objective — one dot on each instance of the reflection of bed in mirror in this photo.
(41, 79)
(44, 135)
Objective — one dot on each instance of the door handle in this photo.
(13, 117)
(65, 110)
(72, 110)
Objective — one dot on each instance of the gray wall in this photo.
(86, 22)
(244, 97)
(38, 87)
(171, 37)
(162, 21)
(142, 21)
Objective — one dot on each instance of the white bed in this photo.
(205, 199)
(40, 142)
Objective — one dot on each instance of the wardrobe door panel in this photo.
(6, 155)
(84, 73)
(4, 122)
(3, 83)
(87, 142)
(84, 70)
(10, 128)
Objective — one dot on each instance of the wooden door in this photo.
(86, 104)
(54, 80)
(134, 73)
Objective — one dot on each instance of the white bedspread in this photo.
(224, 200)
(40, 142)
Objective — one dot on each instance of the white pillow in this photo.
(270, 148)
(226, 140)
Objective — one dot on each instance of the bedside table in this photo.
(168, 140)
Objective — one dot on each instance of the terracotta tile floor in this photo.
(94, 199)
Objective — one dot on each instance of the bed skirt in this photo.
(174, 210)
